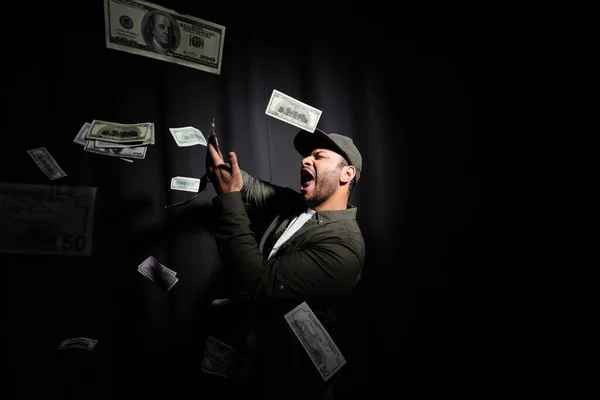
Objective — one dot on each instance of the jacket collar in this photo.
(323, 217)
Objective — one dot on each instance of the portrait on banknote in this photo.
(160, 31)
(150, 30)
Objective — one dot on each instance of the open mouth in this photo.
(306, 179)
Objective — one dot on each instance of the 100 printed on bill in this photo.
(149, 30)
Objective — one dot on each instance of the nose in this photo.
(307, 161)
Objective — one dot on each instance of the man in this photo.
(312, 250)
(158, 33)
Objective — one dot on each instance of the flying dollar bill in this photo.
(44, 219)
(47, 163)
(77, 343)
(83, 131)
(112, 145)
(188, 136)
(146, 266)
(127, 152)
(316, 341)
(80, 139)
(186, 184)
(292, 111)
(130, 134)
(149, 30)
(222, 359)
(220, 302)
(164, 277)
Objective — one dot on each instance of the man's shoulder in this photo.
(344, 233)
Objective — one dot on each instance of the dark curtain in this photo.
(405, 99)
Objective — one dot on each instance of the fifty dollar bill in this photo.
(319, 346)
(149, 30)
(44, 219)
(292, 111)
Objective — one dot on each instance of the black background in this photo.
(405, 91)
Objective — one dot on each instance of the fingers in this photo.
(216, 157)
(234, 161)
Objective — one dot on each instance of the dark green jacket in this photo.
(320, 264)
(323, 259)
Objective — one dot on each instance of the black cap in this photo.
(305, 142)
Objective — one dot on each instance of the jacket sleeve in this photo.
(326, 268)
(258, 193)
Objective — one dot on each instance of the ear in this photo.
(347, 174)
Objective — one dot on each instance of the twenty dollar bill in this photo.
(149, 30)
(292, 111)
(319, 346)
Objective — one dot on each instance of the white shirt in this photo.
(291, 229)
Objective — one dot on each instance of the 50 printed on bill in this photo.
(46, 219)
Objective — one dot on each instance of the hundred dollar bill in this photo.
(319, 346)
(222, 359)
(186, 184)
(130, 134)
(149, 30)
(47, 163)
(128, 152)
(77, 343)
(292, 111)
(113, 145)
(188, 136)
(83, 131)
(164, 277)
(44, 219)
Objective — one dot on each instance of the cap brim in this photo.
(305, 142)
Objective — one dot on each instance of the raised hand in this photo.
(225, 179)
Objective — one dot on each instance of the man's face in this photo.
(319, 176)
(162, 29)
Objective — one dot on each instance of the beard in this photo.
(325, 186)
